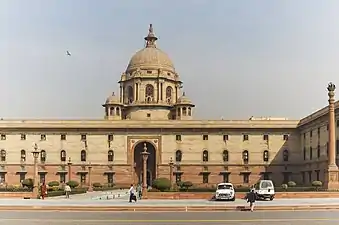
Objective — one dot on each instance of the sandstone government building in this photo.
(151, 111)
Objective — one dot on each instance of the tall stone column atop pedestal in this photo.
(332, 178)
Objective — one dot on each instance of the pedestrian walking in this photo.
(43, 190)
(67, 190)
(139, 190)
(132, 196)
(251, 197)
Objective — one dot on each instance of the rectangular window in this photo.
(265, 137)
(311, 153)
(63, 137)
(178, 137)
(62, 178)
(110, 179)
(225, 137)
(42, 177)
(286, 177)
(246, 178)
(205, 137)
(303, 177)
(317, 173)
(178, 177)
(309, 176)
(43, 137)
(327, 127)
(225, 177)
(23, 137)
(83, 137)
(304, 135)
(245, 137)
(337, 123)
(318, 132)
(110, 137)
(311, 133)
(2, 177)
(285, 137)
(3, 137)
(22, 177)
(205, 178)
(83, 179)
(148, 115)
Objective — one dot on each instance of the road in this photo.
(164, 218)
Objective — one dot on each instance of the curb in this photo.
(167, 208)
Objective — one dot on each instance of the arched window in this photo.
(184, 111)
(205, 156)
(285, 155)
(169, 91)
(111, 111)
(149, 93)
(130, 94)
(245, 156)
(3, 155)
(83, 155)
(63, 156)
(110, 156)
(43, 156)
(189, 110)
(178, 156)
(225, 156)
(265, 156)
(23, 155)
(117, 109)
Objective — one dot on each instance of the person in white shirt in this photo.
(132, 196)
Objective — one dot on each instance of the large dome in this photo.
(150, 57)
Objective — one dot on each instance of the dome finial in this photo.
(151, 38)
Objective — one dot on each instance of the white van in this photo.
(264, 189)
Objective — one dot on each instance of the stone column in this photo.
(144, 180)
(69, 164)
(135, 92)
(171, 171)
(331, 129)
(35, 153)
(90, 188)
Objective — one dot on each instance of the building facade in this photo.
(152, 113)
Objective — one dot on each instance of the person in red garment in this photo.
(43, 190)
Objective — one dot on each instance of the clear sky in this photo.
(237, 58)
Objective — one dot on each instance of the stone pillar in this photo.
(171, 171)
(69, 164)
(144, 180)
(331, 128)
(121, 95)
(332, 176)
(35, 153)
(90, 185)
(135, 92)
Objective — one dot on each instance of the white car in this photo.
(225, 191)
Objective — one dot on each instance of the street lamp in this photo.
(35, 153)
(69, 163)
(90, 188)
(145, 155)
(171, 170)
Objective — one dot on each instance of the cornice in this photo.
(149, 124)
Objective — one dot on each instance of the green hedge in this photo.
(15, 189)
(246, 189)
(62, 192)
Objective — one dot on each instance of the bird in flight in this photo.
(68, 53)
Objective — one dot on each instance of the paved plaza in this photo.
(88, 201)
(169, 218)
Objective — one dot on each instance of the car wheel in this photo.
(271, 198)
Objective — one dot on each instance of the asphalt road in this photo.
(164, 218)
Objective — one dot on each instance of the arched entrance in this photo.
(151, 162)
